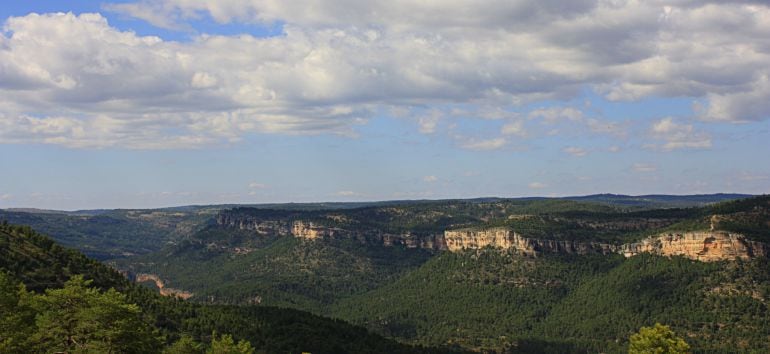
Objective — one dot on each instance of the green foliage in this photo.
(16, 319)
(284, 271)
(226, 345)
(73, 315)
(114, 233)
(79, 318)
(658, 339)
(185, 345)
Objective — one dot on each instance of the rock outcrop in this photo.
(707, 246)
(311, 230)
(162, 288)
(260, 226)
(457, 240)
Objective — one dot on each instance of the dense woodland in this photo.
(100, 301)
(488, 299)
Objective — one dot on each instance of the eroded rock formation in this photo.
(458, 240)
(707, 246)
(165, 291)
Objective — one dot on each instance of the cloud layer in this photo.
(76, 81)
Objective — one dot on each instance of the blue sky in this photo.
(146, 104)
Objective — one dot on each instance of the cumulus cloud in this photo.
(79, 82)
(679, 136)
(430, 179)
(256, 185)
(514, 128)
(537, 185)
(553, 115)
(483, 144)
(575, 151)
(429, 122)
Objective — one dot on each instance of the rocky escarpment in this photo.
(704, 246)
(458, 240)
(162, 288)
(311, 230)
(707, 246)
(258, 225)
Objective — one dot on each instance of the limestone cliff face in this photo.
(165, 291)
(260, 226)
(312, 231)
(708, 246)
(458, 240)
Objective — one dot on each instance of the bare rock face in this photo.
(165, 291)
(260, 226)
(457, 240)
(708, 246)
(311, 231)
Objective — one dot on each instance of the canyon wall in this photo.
(707, 246)
(457, 240)
(310, 230)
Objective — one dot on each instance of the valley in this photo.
(536, 275)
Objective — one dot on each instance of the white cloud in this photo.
(678, 136)
(337, 63)
(429, 122)
(644, 167)
(347, 194)
(537, 185)
(614, 148)
(430, 179)
(483, 144)
(555, 115)
(6, 196)
(575, 151)
(256, 185)
(514, 128)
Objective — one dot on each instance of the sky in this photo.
(138, 104)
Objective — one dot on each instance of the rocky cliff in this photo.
(707, 246)
(258, 225)
(162, 288)
(311, 230)
(704, 246)
(457, 240)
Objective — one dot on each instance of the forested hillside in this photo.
(340, 264)
(33, 321)
(569, 285)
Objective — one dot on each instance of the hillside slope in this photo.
(386, 268)
(41, 264)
